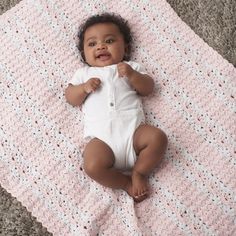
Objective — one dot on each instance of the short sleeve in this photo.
(78, 77)
(138, 67)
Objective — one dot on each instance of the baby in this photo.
(109, 88)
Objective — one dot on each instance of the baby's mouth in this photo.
(103, 56)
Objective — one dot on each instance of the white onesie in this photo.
(113, 112)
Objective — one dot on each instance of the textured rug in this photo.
(193, 191)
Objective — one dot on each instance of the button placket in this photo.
(112, 98)
(112, 92)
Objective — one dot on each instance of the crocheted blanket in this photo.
(41, 144)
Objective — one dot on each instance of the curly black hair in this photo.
(106, 18)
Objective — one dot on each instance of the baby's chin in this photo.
(103, 63)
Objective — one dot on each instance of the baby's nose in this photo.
(101, 46)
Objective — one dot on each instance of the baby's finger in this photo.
(121, 72)
(121, 64)
(97, 80)
(95, 86)
(97, 83)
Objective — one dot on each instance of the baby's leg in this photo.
(150, 144)
(98, 164)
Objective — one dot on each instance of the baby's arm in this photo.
(142, 83)
(76, 94)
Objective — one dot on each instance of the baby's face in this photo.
(103, 45)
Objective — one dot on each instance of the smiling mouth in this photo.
(103, 56)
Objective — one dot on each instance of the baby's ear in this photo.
(82, 55)
(127, 52)
(126, 49)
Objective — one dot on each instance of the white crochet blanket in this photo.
(193, 191)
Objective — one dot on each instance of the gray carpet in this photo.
(212, 20)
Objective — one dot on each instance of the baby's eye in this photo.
(91, 44)
(110, 41)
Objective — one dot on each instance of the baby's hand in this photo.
(125, 70)
(92, 85)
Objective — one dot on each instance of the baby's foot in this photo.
(129, 188)
(140, 186)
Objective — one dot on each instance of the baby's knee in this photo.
(95, 167)
(160, 137)
(91, 169)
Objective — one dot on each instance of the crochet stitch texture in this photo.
(41, 144)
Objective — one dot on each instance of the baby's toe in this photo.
(140, 198)
(140, 195)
